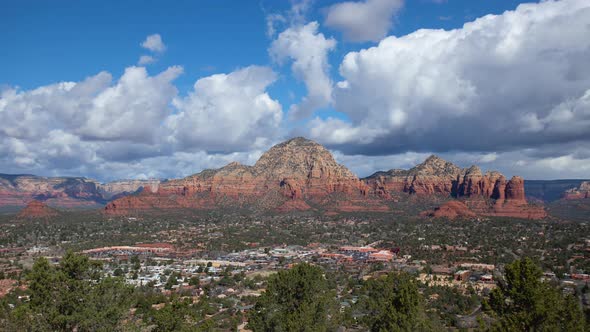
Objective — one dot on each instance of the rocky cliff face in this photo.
(298, 169)
(433, 176)
(116, 189)
(581, 192)
(485, 194)
(65, 192)
(37, 209)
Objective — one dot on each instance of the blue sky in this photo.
(50, 41)
(410, 114)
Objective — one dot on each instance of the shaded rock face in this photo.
(37, 209)
(298, 169)
(581, 192)
(484, 194)
(450, 210)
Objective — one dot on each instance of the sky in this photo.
(164, 89)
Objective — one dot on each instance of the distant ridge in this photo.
(16, 190)
(550, 190)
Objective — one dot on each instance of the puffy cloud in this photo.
(31, 114)
(228, 112)
(500, 83)
(92, 109)
(154, 43)
(146, 60)
(133, 107)
(308, 49)
(137, 125)
(368, 20)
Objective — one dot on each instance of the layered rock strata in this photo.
(487, 193)
(299, 170)
(581, 192)
(64, 192)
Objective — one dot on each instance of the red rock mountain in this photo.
(289, 176)
(484, 194)
(36, 209)
(581, 192)
(300, 174)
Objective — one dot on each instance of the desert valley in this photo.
(294, 166)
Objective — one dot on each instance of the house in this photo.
(462, 275)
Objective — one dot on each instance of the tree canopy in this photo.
(523, 302)
(298, 299)
(393, 303)
(64, 298)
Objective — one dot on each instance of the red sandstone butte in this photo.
(37, 209)
(488, 194)
(451, 210)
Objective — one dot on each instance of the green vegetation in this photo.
(73, 296)
(65, 298)
(525, 303)
(393, 303)
(296, 300)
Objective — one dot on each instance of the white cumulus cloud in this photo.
(154, 43)
(368, 20)
(500, 83)
(228, 112)
(146, 60)
(308, 50)
(137, 124)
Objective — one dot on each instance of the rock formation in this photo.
(484, 194)
(65, 192)
(581, 192)
(299, 170)
(120, 188)
(450, 210)
(299, 175)
(36, 209)
(433, 176)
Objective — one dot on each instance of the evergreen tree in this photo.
(64, 298)
(523, 302)
(296, 300)
(393, 303)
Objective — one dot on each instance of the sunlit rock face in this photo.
(581, 192)
(298, 169)
(484, 194)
